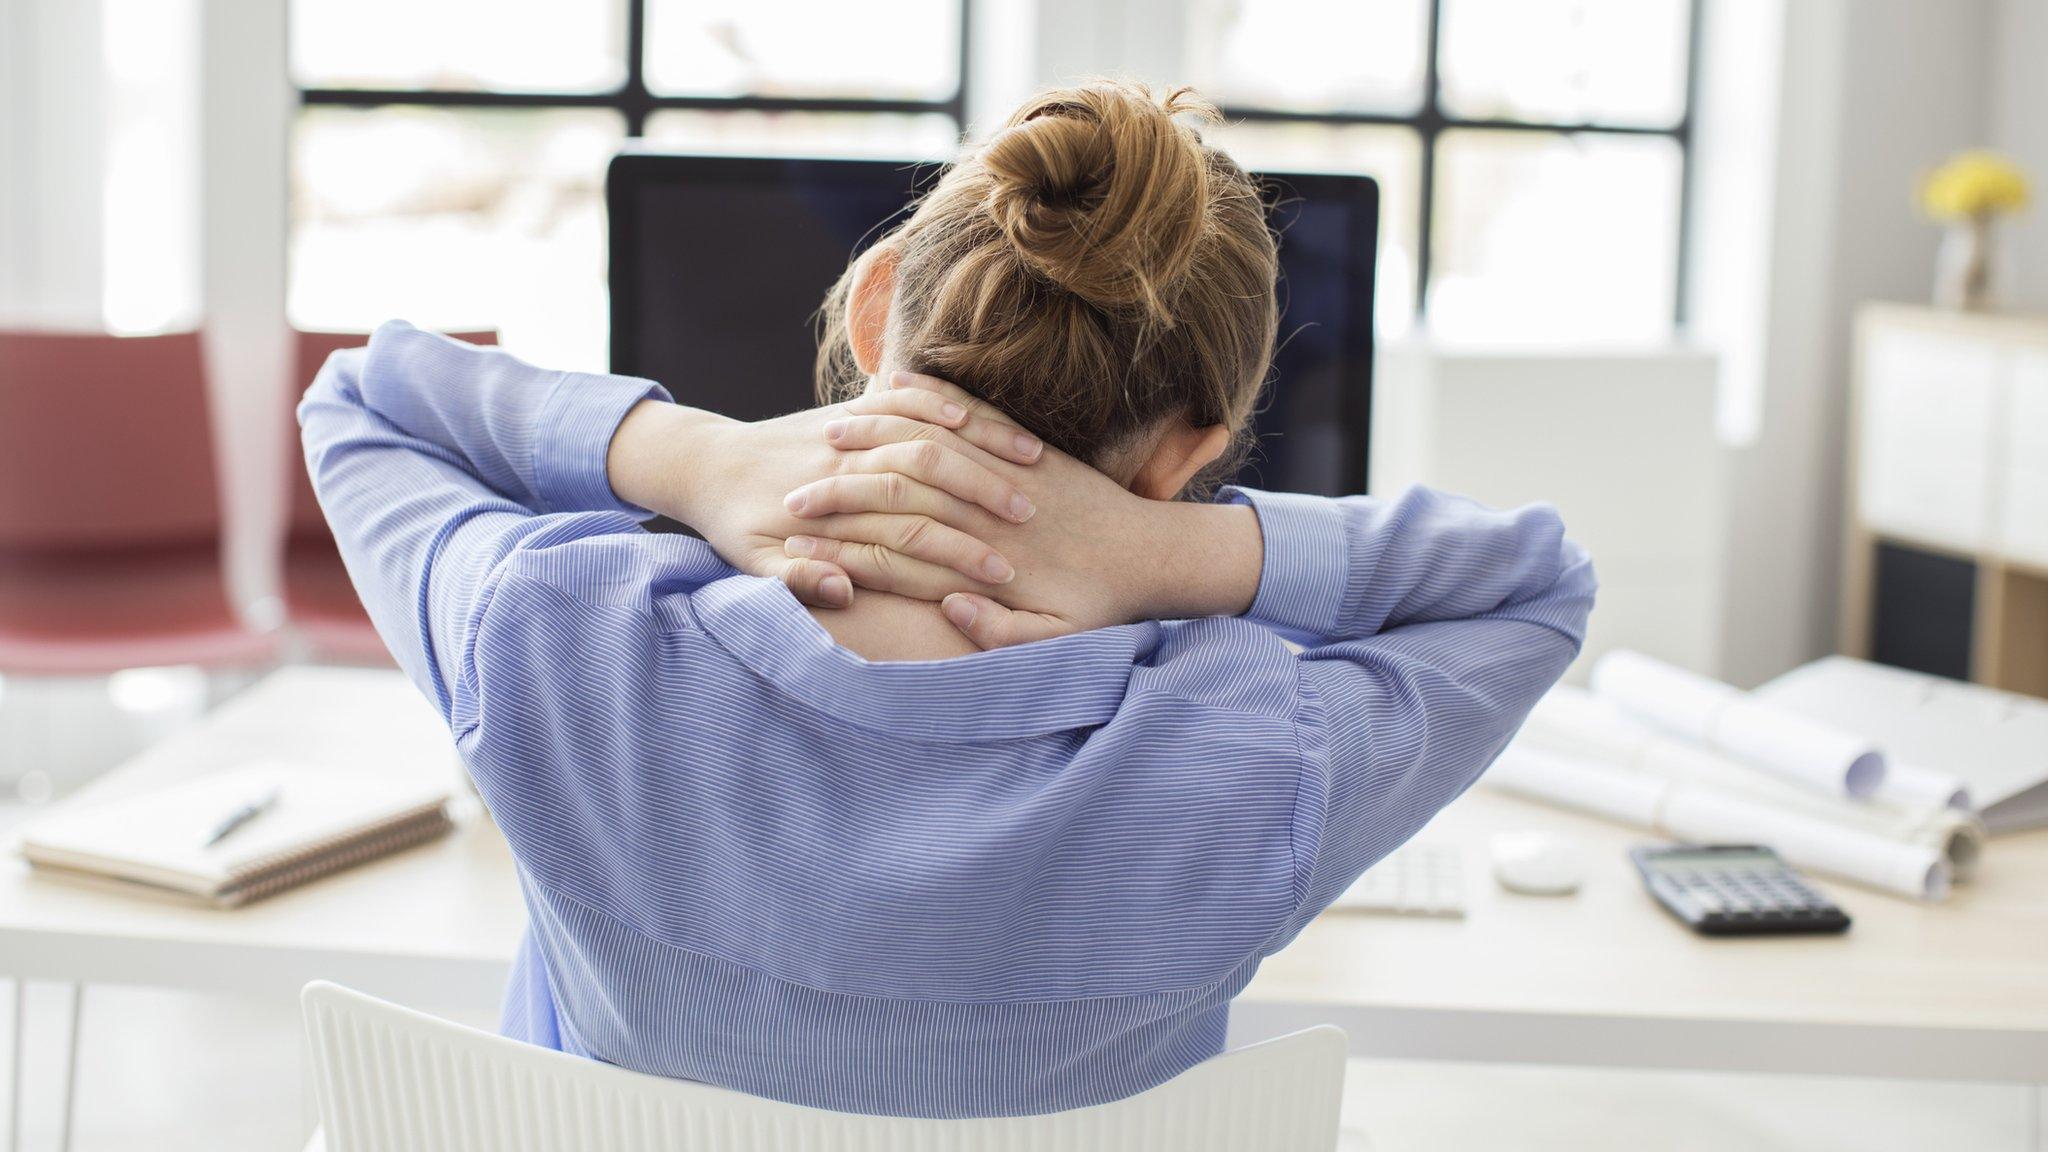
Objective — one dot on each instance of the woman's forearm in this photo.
(1197, 560)
(660, 458)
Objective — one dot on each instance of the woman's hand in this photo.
(1095, 554)
(727, 480)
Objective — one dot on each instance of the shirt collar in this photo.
(1073, 681)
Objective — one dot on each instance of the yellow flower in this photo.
(1976, 183)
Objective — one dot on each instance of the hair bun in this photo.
(1101, 191)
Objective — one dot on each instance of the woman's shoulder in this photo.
(625, 567)
(1226, 663)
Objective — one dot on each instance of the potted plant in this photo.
(1968, 194)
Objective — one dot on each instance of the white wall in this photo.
(1621, 441)
(246, 107)
(1873, 92)
(51, 163)
(2019, 127)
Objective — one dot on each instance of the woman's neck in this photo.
(881, 626)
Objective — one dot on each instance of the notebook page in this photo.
(161, 836)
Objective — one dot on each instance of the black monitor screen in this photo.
(719, 264)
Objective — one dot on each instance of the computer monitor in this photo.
(719, 264)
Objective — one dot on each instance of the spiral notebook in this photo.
(319, 823)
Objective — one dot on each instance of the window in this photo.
(448, 160)
(149, 177)
(1531, 153)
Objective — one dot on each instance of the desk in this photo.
(1953, 991)
(435, 926)
(1950, 992)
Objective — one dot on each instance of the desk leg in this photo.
(70, 1067)
(14, 1069)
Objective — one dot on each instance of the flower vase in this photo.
(1963, 267)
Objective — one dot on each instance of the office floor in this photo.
(176, 1071)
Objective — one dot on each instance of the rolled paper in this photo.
(1572, 783)
(1705, 815)
(1914, 786)
(1801, 751)
(1573, 722)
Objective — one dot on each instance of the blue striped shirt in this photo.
(1011, 882)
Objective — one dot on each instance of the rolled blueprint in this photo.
(1808, 753)
(1912, 786)
(1704, 815)
(1573, 722)
(1580, 785)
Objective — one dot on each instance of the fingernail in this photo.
(1020, 508)
(952, 411)
(795, 501)
(899, 380)
(800, 546)
(1028, 446)
(836, 589)
(835, 429)
(997, 569)
(960, 610)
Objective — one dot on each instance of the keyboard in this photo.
(1416, 880)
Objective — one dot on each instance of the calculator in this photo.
(1734, 890)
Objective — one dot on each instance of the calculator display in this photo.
(1714, 861)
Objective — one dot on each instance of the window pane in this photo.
(1541, 236)
(1391, 155)
(1569, 61)
(455, 219)
(150, 257)
(910, 136)
(460, 45)
(1312, 55)
(888, 49)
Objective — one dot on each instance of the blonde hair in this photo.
(1093, 269)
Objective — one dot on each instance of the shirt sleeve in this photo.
(1430, 627)
(435, 460)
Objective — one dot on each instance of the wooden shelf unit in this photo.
(1947, 461)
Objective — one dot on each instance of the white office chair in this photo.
(394, 1080)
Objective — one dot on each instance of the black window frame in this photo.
(635, 102)
(1430, 121)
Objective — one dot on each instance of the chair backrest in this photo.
(394, 1080)
(311, 350)
(105, 442)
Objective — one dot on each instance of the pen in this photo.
(242, 815)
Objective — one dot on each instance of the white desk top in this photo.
(439, 922)
(1952, 991)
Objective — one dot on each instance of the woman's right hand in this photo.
(1095, 554)
(727, 479)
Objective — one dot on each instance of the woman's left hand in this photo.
(1096, 554)
(727, 480)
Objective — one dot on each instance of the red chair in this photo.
(110, 509)
(319, 598)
